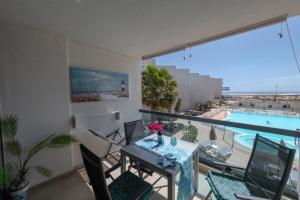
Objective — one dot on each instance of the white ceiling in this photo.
(141, 27)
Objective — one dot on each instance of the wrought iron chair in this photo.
(265, 177)
(134, 131)
(126, 187)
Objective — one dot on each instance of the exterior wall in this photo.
(205, 88)
(217, 88)
(147, 62)
(194, 88)
(194, 91)
(34, 84)
(182, 78)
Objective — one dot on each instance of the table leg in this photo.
(171, 188)
(196, 170)
(123, 163)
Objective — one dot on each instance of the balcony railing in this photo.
(229, 144)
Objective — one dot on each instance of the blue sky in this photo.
(252, 61)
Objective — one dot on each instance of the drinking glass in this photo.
(173, 141)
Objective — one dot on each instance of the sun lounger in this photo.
(205, 145)
(224, 153)
(293, 178)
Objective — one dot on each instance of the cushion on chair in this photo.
(225, 186)
(129, 187)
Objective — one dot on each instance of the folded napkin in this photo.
(168, 162)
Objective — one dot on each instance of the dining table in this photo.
(184, 151)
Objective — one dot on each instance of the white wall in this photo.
(3, 58)
(97, 58)
(217, 84)
(34, 84)
(182, 78)
(194, 91)
(150, 61)
(35, 87)
(194, 88)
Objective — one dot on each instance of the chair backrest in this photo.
(94, 168)
(269, 166)
(134, 131)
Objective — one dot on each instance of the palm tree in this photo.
(178, 104)
(159, 90)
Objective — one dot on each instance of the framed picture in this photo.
(97, 85)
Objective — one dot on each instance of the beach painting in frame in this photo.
(97, 85)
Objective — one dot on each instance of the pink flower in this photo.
(155, 127)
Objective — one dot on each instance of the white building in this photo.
(194, 88)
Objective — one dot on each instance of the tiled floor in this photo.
(75, 187)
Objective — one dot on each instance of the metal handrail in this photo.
(277, 131)
(287, 191)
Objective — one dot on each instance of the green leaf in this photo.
(5, 174)
(53, 141)
(159, 90)
(61, 140)
(9, 126)
(38, 147)
(43, 171)
(14, 147)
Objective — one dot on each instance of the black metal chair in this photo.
(265, 177)
(135, 131)
(112, 139)
(126, 187)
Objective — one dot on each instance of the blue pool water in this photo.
(246, 137)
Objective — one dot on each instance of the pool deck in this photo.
(225, 137)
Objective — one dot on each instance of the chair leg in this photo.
(140, 173)
(156, 180)
(208, 195)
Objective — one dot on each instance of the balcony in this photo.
(225, 148)
(41, 41)
(229, 146)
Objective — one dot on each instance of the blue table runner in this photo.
(184, 159)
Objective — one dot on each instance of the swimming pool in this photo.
(246, 137)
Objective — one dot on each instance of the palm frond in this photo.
(41, 145)
(61, 140)
(53, 141)
(14, 147)
(9, 126)
(159, 89)
(43, 171)
(5, 174)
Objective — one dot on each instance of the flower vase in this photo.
(160, 139)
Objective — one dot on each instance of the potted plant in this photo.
(15, 175)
